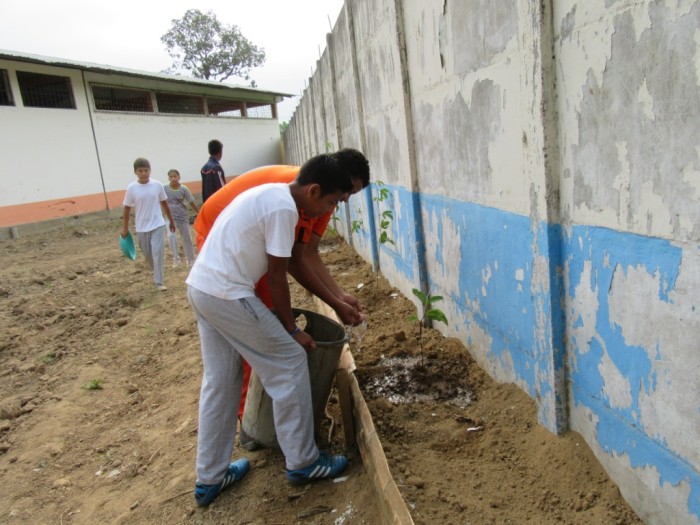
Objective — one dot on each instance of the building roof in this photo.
(135, 73)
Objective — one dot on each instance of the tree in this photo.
(208, 49)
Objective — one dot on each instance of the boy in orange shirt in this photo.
(305, 264)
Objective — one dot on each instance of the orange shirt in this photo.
(215, 204)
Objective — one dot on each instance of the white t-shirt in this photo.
(260, 221)
(146, 198)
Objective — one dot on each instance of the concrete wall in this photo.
(542, 162)
(63, 162)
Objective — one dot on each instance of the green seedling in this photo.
(93, 384)
(429, 314)
(384, 223)
(386, 216)
(49, 358)
(356, 225)
(334, 219)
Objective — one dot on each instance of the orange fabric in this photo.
(244, 389)
(215, 204)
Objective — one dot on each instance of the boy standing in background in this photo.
(179, 197)
(150, 201)
(212, 173)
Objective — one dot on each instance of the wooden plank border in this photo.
(392, 505)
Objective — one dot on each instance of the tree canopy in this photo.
(208, 49)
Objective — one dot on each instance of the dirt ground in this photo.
(99, 383)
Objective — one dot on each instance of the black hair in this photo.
(326, 171)
(141, 163)
(215, 147)
(355, 163)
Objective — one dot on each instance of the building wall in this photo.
(63, 162)
(46, 153)
(542, 163)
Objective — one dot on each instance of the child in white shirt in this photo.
(150, 202)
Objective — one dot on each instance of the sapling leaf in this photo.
(422, 297)
(384, 238)
(436, 315)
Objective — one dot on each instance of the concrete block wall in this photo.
(542, 162)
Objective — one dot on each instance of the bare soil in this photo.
(99, 384)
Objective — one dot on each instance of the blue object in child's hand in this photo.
(128, 248)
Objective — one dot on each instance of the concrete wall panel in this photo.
(330, 121)
(318, 111)
(543, 166)
(628, 107)
(481, 30)
(346, 89)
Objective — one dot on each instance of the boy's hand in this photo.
(124, 233)
(351, 300)
(348, 314)
(172, 226)
(305, 340)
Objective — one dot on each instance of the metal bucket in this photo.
(258, 424)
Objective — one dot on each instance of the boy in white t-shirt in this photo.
(150, 201)
(254, 235)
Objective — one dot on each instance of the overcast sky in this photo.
(126, 33)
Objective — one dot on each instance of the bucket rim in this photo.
(303, 311)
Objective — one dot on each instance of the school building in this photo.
(70, 131)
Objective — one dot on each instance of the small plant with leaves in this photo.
(49, 358)
(334, 219)
(430, 313)
(386, 216)
(356, 225)
(384, 223)
(93, 384)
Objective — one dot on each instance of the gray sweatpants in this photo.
(232, 330)
(152, 245)
(184, 228)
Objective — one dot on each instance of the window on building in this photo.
(222, 107)
(45, 91)
(5, 92)
(111, 98)
(135, 100)
(255, 110)
(180, 104)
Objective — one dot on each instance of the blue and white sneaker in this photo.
(205, 494)
(325, 467)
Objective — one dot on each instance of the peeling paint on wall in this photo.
(477, 39)
(633, 343)
(634, 97)
(503, 119)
